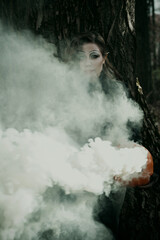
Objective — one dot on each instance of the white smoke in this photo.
(50, 174)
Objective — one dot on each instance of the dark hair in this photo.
(91, 37)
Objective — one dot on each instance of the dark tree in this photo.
(143, 58)
(57, 21)
(153, 35)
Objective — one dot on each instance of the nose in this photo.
(88, 62)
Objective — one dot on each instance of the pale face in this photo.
(90, 59)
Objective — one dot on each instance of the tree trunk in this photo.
(143, 58)
(115, 20)
(153, 37)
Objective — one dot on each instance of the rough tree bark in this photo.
(115, 20)
(143, 56)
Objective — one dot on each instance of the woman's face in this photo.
(90, 59)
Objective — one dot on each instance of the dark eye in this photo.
(94, 56)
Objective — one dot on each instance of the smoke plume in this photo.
(56, 153)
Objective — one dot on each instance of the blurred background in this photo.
(148, 54)
(155, 58)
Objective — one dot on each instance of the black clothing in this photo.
(107, 210)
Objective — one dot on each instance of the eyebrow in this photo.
(89, 51)
(94, 51)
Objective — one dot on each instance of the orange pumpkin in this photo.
(145, 175)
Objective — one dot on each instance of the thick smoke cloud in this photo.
(50, 173)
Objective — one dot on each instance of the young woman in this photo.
(88, 50)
